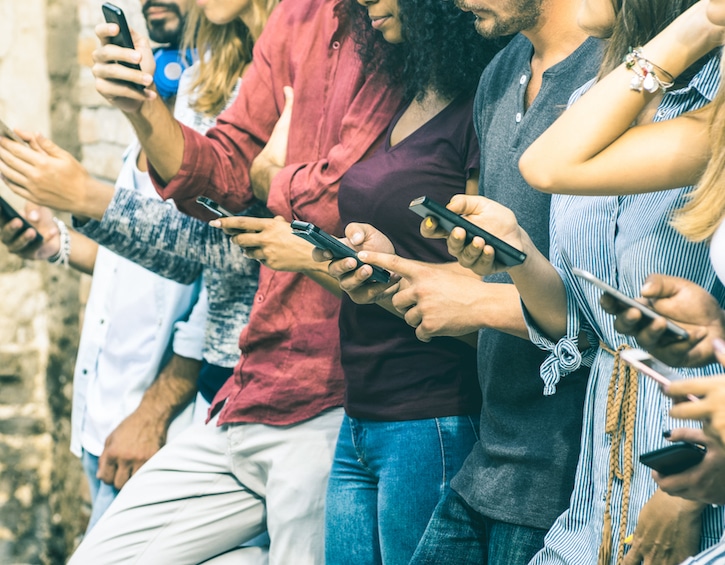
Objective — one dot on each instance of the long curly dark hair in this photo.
(441, 51)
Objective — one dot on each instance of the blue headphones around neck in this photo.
(170, 63)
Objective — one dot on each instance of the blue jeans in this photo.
(458, 534)
(101, 494)
(386, 480)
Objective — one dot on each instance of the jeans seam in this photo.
(444, 465)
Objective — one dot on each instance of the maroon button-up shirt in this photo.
(290, 365)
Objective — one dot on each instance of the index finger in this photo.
(698, 387)
(244, 223)
(393, 263)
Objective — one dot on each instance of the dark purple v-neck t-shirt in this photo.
(389, 373)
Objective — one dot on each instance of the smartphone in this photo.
(212, 206)
(10, 213)
(114, 15)
(6, 131)
(674, 458)
(447, 220)
(676, 331)
(339, 250)
(653, 368)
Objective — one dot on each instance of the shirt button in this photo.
(660, 113)
(522, 80)
(335, 44)
(102, 321)
(518, 117)
(85, 371)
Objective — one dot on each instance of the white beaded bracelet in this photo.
(63, 254)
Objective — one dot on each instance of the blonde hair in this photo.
(700, 217)
(229, 48)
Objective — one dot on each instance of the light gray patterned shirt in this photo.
(157, 236)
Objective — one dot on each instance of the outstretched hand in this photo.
(435, 300)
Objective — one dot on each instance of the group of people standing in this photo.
(464, 411)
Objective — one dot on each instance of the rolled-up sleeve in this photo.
(565, 355)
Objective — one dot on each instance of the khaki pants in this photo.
(215, 488)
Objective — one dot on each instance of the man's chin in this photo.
(165, 30)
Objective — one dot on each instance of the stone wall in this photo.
(46, 85)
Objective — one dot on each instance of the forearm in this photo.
(172, 390)
(542, 291)
(83, 252)
(159, 237)
(583, 152)
(160, 136)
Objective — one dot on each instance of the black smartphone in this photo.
(676, 331)
(323, 240)
(114, 15)
(447, 220)
(674, 458)
(11, 213)
(212, 206)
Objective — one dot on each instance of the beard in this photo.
(165, 30)
(525, 14)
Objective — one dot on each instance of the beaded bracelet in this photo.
(63, 254)
(647, 74)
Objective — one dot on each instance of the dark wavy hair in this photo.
(638, 21)
(441, 50)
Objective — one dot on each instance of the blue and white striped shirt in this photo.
(621, 240)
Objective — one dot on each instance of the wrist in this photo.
(96, 199)
(62, 255)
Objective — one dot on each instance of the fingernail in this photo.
(356, 238)
(147, 79)
(362, 255)
(33, 215)
(215, 223)
(719, 345)
(646, 286)
(666, 434)
(429, 223)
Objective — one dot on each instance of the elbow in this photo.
(537, 174)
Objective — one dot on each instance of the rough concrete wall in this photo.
(25, 441)
(46, 85)
(103, 131)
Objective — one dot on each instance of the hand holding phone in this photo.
(677, 332)
(674, 458)
(9, 213)
(114, 15)
(339, 250)
(447, 220)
